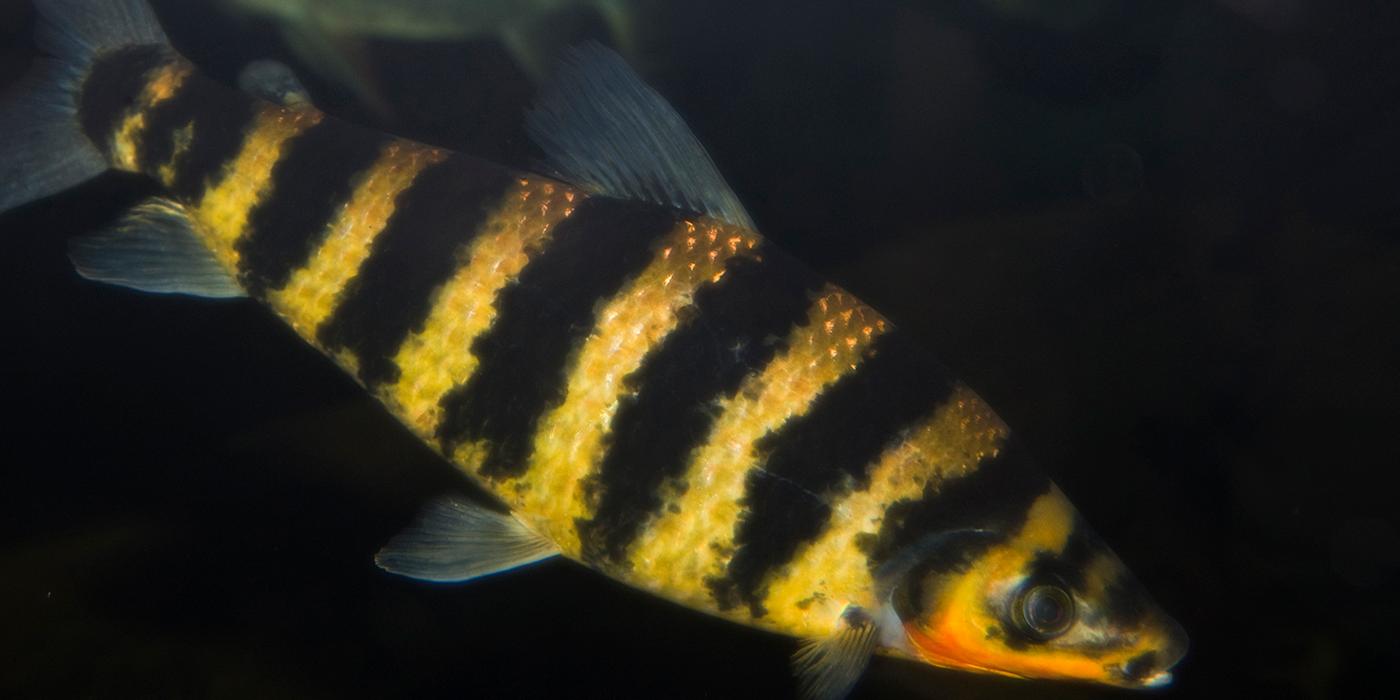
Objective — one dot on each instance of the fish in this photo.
(328, 35)
(647, 385)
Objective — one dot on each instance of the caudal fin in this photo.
(44, 150)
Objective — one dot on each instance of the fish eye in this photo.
(1043, 611)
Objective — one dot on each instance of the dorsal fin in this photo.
(603, 129)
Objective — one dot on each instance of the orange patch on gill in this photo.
(963, 632)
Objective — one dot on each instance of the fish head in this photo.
(1046, 600)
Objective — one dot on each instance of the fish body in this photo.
(648, 385)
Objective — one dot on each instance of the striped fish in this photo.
(649, 386)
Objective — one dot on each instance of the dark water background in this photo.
(1162, 238)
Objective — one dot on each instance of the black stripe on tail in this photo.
(220, 118)
(113, 88)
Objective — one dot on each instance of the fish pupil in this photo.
(1046, 611)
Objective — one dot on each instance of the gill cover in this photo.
(1047, 600)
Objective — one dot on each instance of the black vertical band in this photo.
(829, 449)
(220, 117)
(113, 88)
(418, 250)
(995, 498)
(311, 181)
(735, 329)
(542, 317)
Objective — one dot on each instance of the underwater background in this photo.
(1161, 239)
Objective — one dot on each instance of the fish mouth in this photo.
(1161, 679)
(1152, 669)
(1142, 671)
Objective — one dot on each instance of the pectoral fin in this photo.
(154, 248)
(455, 540)
(828, 668)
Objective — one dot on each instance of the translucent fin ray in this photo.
(603, 129)
(153, 248)
(44, 150)
(455, 540)
(828, 668)
(81, 29)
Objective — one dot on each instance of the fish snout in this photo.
(1152, 669)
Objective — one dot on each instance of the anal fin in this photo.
(456, 540)
(829, 667)
(154, 248)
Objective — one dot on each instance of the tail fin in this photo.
(44, 150)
